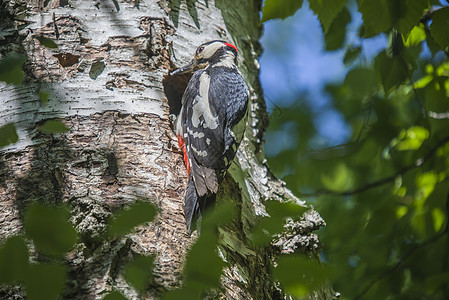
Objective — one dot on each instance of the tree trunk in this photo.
(106, 83)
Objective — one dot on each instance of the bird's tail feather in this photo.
(194, 206)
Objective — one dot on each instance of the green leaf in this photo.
(416, 36)
(351, 55)
(383, 15)
(410, 12)
(436, 98)
(438, 218)
(125, 220)
(376, 16)
(44, 96)
(339, 179)
(412, 138)
(299, 275)
(219, 216)
(53, 126)
(185, 293)
(361, 81)
(8, 135)
(46, 42)
(13, 260)
(392, 72)
(45, 281)
(117, 6)
(96, 69)
(50, 229)
(423, 82)
(114, 295)
(439, 27)
(274, 9)
(139, 272)
(327, 10)
(204, 267)
(11, 68)
(336, 34)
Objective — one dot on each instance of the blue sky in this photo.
(294, 63)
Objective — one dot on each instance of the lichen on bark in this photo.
(120, 147)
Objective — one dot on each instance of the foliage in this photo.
(384, 193)
(49, 229)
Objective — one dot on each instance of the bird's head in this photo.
(209, 53)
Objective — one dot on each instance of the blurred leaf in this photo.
(299, 275)
(114, 295)
(125, 220)
(423, 82)
(435, 97)
(416, 36)
(439, 27)
(410, 12)
(46, 42)
(412, 138)
(8, 135)
(221, 215)
(117, 6)
(267, 227)
(44, 96)
(376, 16)
(383, 15)
(327, 11)
(339, 179)
(11, 68)
(45, 281)
(13, 260)
(351, 55)
(274, 9)
(204, 267)
(443, 69)
(362, 82)
(336, 34)
(139, 272)
(392, 72)
(50, 229)
(438, 217)
(193, 12)
(434, 47)
(53, 126)
(96, 69)
(426, 183)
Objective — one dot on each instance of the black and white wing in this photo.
(208, 119)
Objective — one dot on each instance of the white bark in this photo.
(121, 147)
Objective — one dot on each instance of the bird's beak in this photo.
(186, 69)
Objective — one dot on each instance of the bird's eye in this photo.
(200, 49)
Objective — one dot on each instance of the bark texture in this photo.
(105, 82)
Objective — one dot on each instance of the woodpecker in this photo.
(211, 122)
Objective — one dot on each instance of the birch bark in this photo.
(105, 82)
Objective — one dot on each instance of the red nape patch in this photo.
(182, 145)
(232, 46)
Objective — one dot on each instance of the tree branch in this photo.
(419, 162)
(409, 253)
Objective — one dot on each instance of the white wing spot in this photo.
(195, 134)
(201, 106)
(200, 153)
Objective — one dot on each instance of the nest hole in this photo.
(174, 87)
